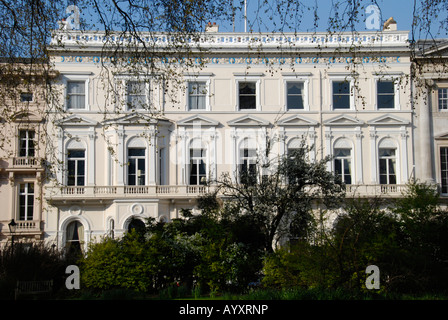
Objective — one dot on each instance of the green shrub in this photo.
(29, 261)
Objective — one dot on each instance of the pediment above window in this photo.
(298, 121)
(438, 49)
(26, 116)
(198, 120)
(343, 120)
(248, 120)
(443, 136)
(76, 120)
(388, 120)
(135, 119)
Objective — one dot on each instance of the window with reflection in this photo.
(385, 94)
(387, 164)
(76, 95)
(26, 143)
(342, 164)
(294, 98)
(26, 201)
(198, 171)
(76, 171)
(136, 166)
(136, 95)
(247, 95)
(341, 95)
(444, 169)
(248, 166)
(197, 95)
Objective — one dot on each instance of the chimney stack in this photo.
(212, 27)
(390, 25)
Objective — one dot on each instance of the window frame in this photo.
(344, 160)
(145, 165)
(202, 158)
(437, 91)
(75, 245)
(442, 169)
(248, 79)
(76, 160)
(24, 95)
(206, 95)
(67, 78)
(395, 81)
(204, 77)
(388, 158)
(351, 93)
(242, 158)
(305, 96)
(26, 194)
(147, 94)
(27, 140)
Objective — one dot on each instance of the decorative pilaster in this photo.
(91, 159)
(358, 156)
(234, 137)
(373, 156)
(328, 149)
(312, 143)
(404, 156)
(152, 157)
(425, 158)
(121, 157)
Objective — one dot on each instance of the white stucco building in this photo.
(137, 136)
(346, 94)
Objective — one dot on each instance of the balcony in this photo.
(25, 164)
(24, 229)
(375, 190)
(117, 192)
(97, 193)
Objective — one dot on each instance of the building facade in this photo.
(131, 135)
(134, 143)
(22, 151)
(431, 77)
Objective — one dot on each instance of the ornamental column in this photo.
(425, 157)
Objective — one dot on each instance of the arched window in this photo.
(74, 237)
(198, 163)
(76, 163)
(136, 160)
(248, 162)
(76, 167)
(343, 160)
(111, 228)
(294, 145)
(136, 225)
(387, 162)
(342, 164)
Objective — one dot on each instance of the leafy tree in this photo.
(143, 265)
(424, 236)
(280, 204)
(406, 238)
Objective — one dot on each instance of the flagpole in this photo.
(245, 15)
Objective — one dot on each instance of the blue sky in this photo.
(259, 15)
(400, 10)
